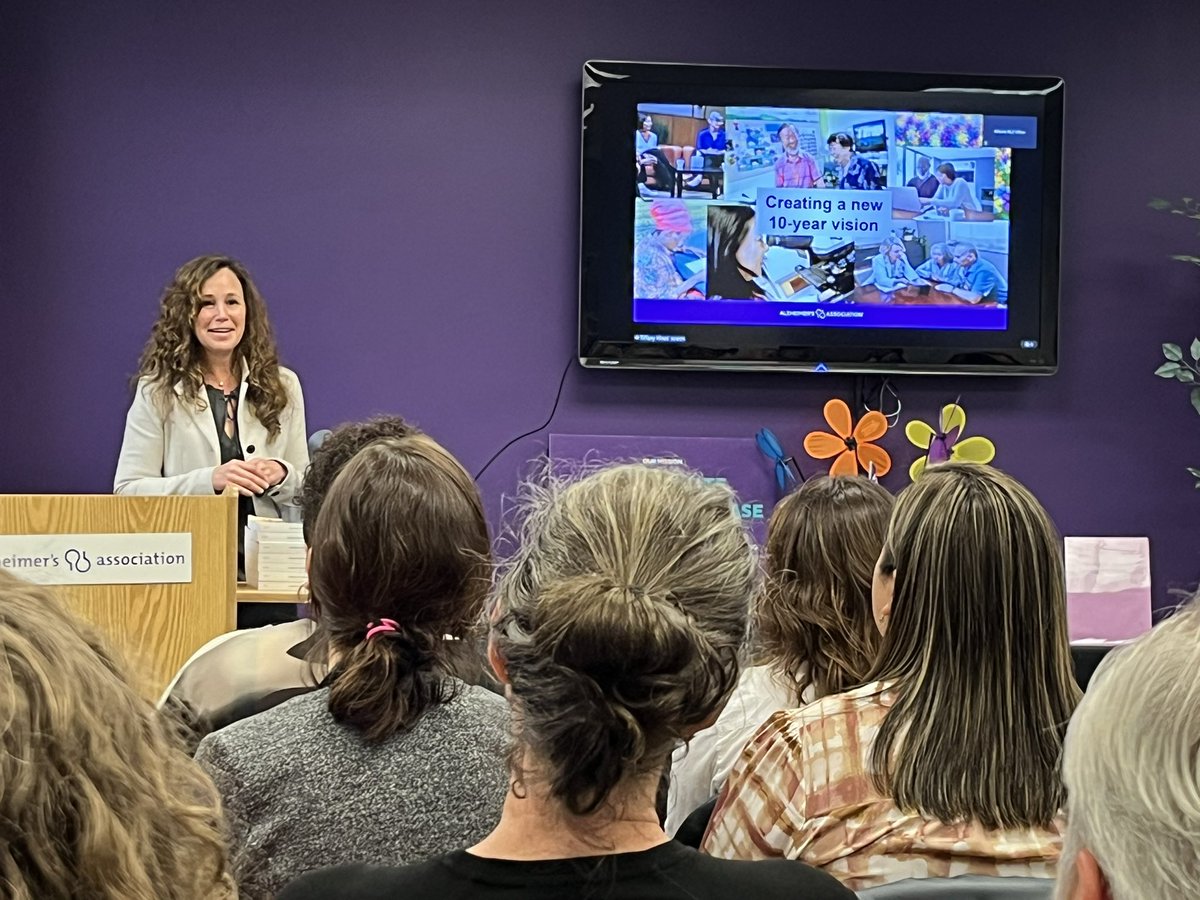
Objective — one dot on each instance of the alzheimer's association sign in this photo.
(164, 558)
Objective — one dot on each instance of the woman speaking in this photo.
(212, 406)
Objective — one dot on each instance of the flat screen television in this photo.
(758, 218)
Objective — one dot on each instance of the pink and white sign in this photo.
(1108, 588)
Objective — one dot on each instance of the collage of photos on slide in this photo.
(855, 207)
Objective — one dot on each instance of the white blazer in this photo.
(176, 454)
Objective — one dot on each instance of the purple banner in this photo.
(837, 315)
(733, 460)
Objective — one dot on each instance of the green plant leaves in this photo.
(1168, 370)
(1195, 349)
(1172, 352)
(1196, 399)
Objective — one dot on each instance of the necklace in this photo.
(220, 382)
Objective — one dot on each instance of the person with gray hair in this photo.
(890, 269)
(710, 148)
(617, 630)
(940, 268)
(975, 279)
(1132, 771)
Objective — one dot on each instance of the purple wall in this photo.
(403, 184)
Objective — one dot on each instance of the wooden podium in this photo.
(157, 627)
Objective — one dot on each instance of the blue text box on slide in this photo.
(828, 215)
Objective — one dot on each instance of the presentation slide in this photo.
(843, 218)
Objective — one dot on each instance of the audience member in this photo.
(246, 672)
(815, 629)
(1132, 772)
(394, 760)
(946, 761)
(617, 632)
(97, 797)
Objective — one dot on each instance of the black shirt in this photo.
(670, 871)
(231, 448)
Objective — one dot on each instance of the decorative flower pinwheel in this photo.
(943, 445)
(786, 467)
(850, 443)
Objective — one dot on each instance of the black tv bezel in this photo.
(612, 88)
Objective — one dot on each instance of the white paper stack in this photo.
(275, 554)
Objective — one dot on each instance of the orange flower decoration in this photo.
(850, 443)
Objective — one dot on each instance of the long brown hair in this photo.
(401, 535)
(976, 650)
(620, 621)
(173, 355)
(97, 797)
(814, 619)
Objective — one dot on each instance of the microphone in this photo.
(250, 448)
(316, 439)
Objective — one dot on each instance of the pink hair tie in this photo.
(384, 625)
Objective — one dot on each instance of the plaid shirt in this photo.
(802, 789)
(797, 171)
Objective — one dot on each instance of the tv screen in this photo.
(764, 218)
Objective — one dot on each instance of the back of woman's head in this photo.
(97, 797)
(620, 622)
(400, 549)
(976, 646)
(814, 620)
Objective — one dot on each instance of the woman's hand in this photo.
(245, 475)
(270, 469)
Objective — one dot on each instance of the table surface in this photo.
(247, 594)
(910, 296)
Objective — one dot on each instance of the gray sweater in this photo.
(302, 791)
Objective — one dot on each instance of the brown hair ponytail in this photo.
(401, 536)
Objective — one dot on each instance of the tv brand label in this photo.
(164, 558)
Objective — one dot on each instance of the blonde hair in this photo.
(620, 623)
(1132, 769)
(814, 620)
(97, 797)
(976, 649)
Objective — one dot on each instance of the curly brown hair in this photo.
(99, 798)
(814, 620)
(173, 355)
(331, 457)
